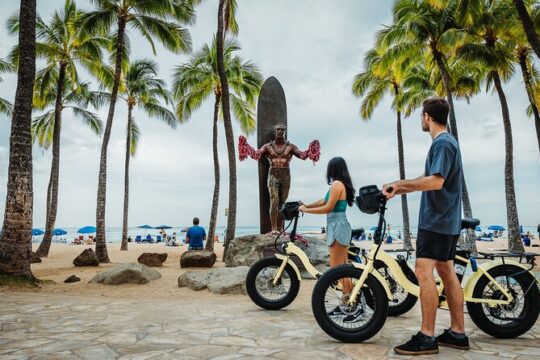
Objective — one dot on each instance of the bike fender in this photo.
(473, 279)
(293, 265)
(377, 276)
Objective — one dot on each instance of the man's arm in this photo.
(299, 154)
(422, 183)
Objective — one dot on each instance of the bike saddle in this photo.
(469, 223)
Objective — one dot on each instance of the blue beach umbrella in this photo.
(496, 228)
(478, 228)
(87, 230)
(59, 232)
(373, 228)
(163, 227)
(145, 227)
(37, 232)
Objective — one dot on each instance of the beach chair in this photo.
(158, 238)
(138, 238)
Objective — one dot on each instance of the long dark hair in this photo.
(337, 170)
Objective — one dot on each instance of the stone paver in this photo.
(45, 326)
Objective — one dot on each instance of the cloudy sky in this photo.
(314, 48)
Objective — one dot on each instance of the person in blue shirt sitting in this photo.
(195, 236)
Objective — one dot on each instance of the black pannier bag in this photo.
(368, 199)
(289, 210)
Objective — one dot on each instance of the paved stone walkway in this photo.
(41, 326)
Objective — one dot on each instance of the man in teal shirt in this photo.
(439, 225)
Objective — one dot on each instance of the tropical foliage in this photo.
(195, 81)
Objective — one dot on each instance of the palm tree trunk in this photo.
(215, 198)
(407, 244)
(229, 136)
(124, 245)
(52, 193)
(527, 79)
(470, 243)
(514, 241)
(101, 243)
(528, 26)
(16, 238)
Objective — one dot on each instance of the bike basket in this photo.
(289, 210)
(368, 199)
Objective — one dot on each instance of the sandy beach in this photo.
(58, 266)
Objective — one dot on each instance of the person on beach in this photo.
(439, 226)
(338, 229)
(195, 236)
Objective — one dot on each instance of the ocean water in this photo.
(114, 234)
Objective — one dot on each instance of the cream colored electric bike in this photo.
(273, 282)
(502, 295)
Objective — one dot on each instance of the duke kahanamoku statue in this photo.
(279, 153)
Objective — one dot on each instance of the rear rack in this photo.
(528, 257)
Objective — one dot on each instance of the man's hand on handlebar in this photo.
(302, 208)
(390, 190)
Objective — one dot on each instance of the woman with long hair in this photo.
(334, 204)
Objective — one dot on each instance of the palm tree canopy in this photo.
(76, 98)
(156, 19)
(197, 79)
(60, 42)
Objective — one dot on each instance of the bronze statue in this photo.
(279, 153)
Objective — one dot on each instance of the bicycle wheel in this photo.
(351, 324)
(260, 284)
(401, 301)
(506, 321)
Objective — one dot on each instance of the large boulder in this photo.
(72, 279)
(198, 258)
(218, 281)
(246, 250)
(87, 258)
(34, 258)
(129, 273)
(152, 259)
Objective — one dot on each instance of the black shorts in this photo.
(432, 245)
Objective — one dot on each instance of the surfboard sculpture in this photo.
(271, 110)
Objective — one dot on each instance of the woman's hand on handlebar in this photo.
(390, 190)
(302, 208)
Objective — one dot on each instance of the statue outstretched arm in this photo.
(313, 152)
(245, 150)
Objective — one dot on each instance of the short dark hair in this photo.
(196, 221)
(438, 108)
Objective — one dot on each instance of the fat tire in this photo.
(328, 326)
(409, 301)
(476, 312)
(262, 301)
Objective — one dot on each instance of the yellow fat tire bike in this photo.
(502, 295)
(273, 282)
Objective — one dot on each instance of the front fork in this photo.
(356, 289)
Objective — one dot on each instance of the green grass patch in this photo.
(18, 281)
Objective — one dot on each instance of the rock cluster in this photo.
(218, 281)
(128, 273)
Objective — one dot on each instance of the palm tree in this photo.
(433, 31)
(486, 46)
(524, 58)
(5, 106)
(64, 49)
(141, 88)
(197, 80)
(45, 132)
(159, 19)
(223, 23)
(371, 85)
(16, 237)
(528, 26)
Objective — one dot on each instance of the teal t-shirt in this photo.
(440, 210)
